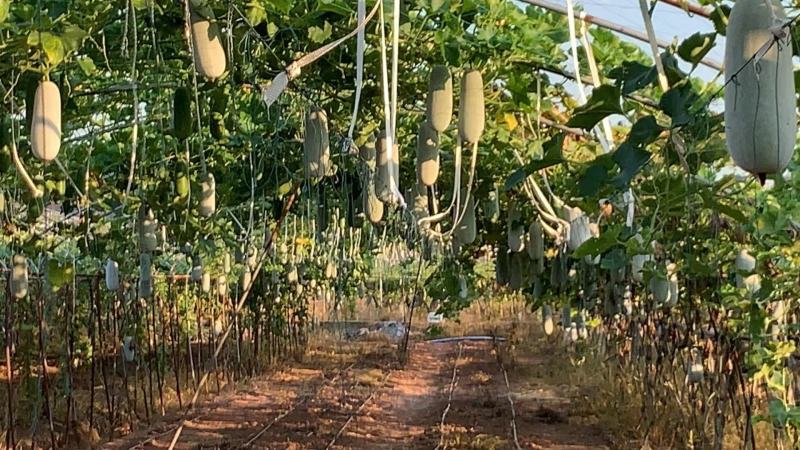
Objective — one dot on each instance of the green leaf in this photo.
(598, 245)
(710, 202)
(256, 13)
(338, 7)
(614, 260)
(436, 5)
(630, 160)
(675, 103)
(720, 18)
(319, 35)
(694, 48)
(87, 65)
(645, 131)
(52, 45)
(605, 101)
(72, 38)
(592, 180)
(552, 157)
(633, 75)
(282, 6)
(5, 5)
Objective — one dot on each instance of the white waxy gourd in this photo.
(112, 275)
(471, 112)
(638, 262)
(427, 155)
(209, 54)
(515, 230)
(226, 262)
(760, 106)
(547, 320)
(46, 122)
(247, 279)
(19, 277)
(197, 273)
(208, 196)
(386, 171)
(222, 285)
(746, 263)
(145, 276)
(205, 284)
(373, 207)
(317, 145)
(440, 99)
(128, 349)
(148, 228)
(579, 230)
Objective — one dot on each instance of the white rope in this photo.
(360, 48)
(271, 92)
(389, 108)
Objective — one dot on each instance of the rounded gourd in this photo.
(317, 145)
(427, 154)
(515, 230)
(148, 241)
(46, 122)
(466, 230)
(205, 283)
(112, 275)
(19, 277)
(745, 265)
(471, 113)
(439, 103)
(760, 106)
(373, 206)
(208, 196)
(182, 113)
(209, 54)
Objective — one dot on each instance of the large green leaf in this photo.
(605, 101)
(633, 75)
(645, 131)
(630, 160)
(694, 48)
(552, 156)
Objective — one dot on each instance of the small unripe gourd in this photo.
(209, 55)
(208, 196)
(46, 122)
(112, 275)
(515, 229)
(317, 145)
(19, 277)
(471, 114)
(427, 154)
(760, 105)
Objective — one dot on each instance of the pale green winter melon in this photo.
(209, 54)
(148, 241)
(760, 104)
(516, 273)
(145, 276)
(385, 169)
(427, 154)
(536, 246)
(466, 230)
(208, 196)
(471, 114)
(440, 98)
(317, 145)
(745, 265)
(515, 230)
(46, 123)
(112, 275)
(19, 277)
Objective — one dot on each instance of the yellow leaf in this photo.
(511, 121)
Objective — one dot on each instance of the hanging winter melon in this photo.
(222, 285)
(515, 230)
(317, 145)
(148, 241)
(760, 104)
(205, 283)
(638, 262)
(747, 264)
(536, 246)
(502, 267)
(46, 122)
(386, 171)
(373, 206)
(516, 272)
(466, 230)
(247, 279)
(439, 110)
(209, 55)
(579, 230)
(208, 196)
(547, 320)
(182, 113)
(471, 114)
(145, 276)
(19, 277)
(427, 154)
(112, 275)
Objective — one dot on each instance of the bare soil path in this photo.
(372, 403)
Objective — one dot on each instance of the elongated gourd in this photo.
(536, 246)
(182, 113)
(209, 55)
(427, 154)
(317, 145)
(638, 262)
(112, 275)
(46, 123)
(247, 279)
(466, 230)
(515, 230)
(19, 277)
(386, 170)
(205, 283)
(145, 276)
(471, 114)
(760, 105)
(579, 231)
(547, 320)
(516, 275)
(439, 104)
(208, 196)
(502, 267)
(222, 285)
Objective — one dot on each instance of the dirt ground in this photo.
(365, 400)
